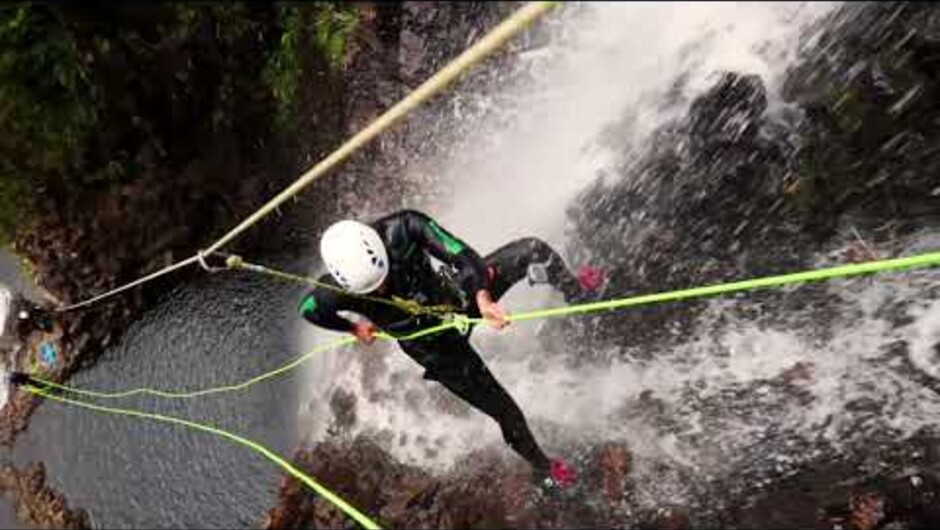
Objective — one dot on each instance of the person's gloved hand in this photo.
(495, 316)
(364, 331)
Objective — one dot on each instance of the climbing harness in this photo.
(444, 311)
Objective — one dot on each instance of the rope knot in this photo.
(461, 323)
(201, 257)
(409, 306)
(234, 262)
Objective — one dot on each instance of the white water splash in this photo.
(605, 72)
(512, 162)
(6, 305)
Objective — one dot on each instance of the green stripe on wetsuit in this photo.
(452, 244)
(309, 305)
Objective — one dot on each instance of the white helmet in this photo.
(355, 256)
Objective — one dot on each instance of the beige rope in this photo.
(485, 47)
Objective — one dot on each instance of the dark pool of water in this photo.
(133, 473)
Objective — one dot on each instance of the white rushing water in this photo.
(6, 305)
(514, 160)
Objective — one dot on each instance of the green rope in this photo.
(450, 313)
(841, 271)
(244, 384)
(198, 393)
(321, 490)
(462, 323)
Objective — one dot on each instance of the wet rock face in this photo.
(908, 501)
(729, 113)
(36, 503)
(400, 46)
(608, 465)
(700, 207)
(484, 491)
(433, 33)
(869, 92)
(23, 349)
(731, 191)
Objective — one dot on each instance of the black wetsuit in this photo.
(410, 237)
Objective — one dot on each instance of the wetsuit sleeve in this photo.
(446, 247)
(320, 306)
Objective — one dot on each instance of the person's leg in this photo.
(510, 264)
(463, 373)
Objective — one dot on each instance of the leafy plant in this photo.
(45, 111)
(283, 70)
(319, 28)
(334, 25)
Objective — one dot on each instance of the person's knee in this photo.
(535, 245)
(532, 249)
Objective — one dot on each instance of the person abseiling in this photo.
(390, 258)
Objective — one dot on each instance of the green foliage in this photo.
(187, 18)
(12, 194)
(333, 27)
(57, 101)
(233, 20)
(45, 112)
(42, 85)
(319, 28)
(282, 72)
